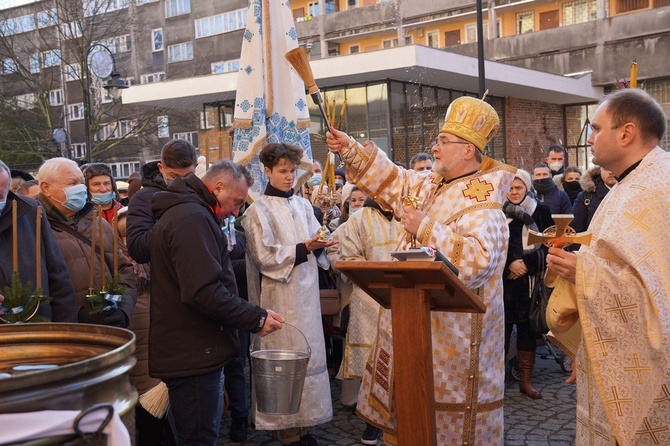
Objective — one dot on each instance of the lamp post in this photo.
(100, 62)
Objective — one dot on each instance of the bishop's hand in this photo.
(411, 219)
(337, 140)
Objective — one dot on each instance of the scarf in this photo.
(523, 212)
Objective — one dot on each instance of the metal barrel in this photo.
(61, 366)
(279, 377)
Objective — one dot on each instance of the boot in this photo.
(526, 363)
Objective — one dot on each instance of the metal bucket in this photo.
(59, 366)
(278, 377)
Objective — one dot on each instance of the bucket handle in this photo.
(309, 349)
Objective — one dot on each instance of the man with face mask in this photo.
(195, 306)
(556, 156)
(178, 159)
(63, 197)
(547, 191)
(61, 308)
(102, 189)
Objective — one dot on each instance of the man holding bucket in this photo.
(195, 307)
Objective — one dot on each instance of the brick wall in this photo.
(531, 127)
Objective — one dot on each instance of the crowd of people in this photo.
(198, 268)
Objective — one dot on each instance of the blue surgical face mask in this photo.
(102, 198)
(2, 205)
(75, 197)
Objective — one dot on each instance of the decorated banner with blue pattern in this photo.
(271, 102)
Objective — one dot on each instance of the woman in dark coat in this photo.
(524, 213)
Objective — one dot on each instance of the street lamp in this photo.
(100, 62)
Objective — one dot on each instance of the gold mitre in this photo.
(473, 120)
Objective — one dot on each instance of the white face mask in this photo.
(424, 173)
(556, 165)
(353, 211)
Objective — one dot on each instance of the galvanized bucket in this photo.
(279, 376)
(59, 366)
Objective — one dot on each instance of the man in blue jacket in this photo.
(547, 191)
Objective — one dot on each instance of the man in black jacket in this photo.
(178, 159)
(195, 307)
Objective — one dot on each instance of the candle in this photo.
(38, 253)
(91, 263)
(15, 238)
(102, 249)
(115, 228)
(633, 75)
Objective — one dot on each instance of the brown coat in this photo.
(77, 255)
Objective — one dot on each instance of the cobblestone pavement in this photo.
(549, 421)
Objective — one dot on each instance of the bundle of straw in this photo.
(297, 57)
(156, 401)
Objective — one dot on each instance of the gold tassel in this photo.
(156, 400)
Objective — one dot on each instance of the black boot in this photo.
(238, 429)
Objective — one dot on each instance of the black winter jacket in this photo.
(194, 304)
(588, 200)
(140, 220)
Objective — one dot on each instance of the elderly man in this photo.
(63, 197)
(54, 278)
(195, 308)
(459, 212)
(618, 287)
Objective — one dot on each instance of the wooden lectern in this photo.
(412, 289)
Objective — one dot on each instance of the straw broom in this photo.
(298, 60)
(156, 401)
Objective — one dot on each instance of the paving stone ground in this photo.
(549, 421)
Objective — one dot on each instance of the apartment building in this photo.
(547, 63)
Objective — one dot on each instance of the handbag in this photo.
(539, 298)
(328, 293)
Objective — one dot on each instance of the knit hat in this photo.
(134, 184)
(525, 177)
(99, 169)
(473, 120)
(341, 173)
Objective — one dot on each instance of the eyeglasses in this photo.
(438, 142)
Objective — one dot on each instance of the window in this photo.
(163, 127)
(226, 66)
(115, 130)
(177, 7)
(525, 22)
(392, 43)
(579, 12)
(191, 137)
(352, 4)
(35, 63)
(221, 23)
(142, 2)
(78, 150)
(26, 101)
(631, 5)
(50, 58)
(313, 8)
(72, 72)
(354, 49)
(433, 39)
(96, 7)
(152, 78)
(9, 66)
(471, 31)
(118, 44)
(17, 25)
(180, 52)
(75, 111)
(123, 170)
(71, 30)
(157, 39)
(46, 18)
(56, 97)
